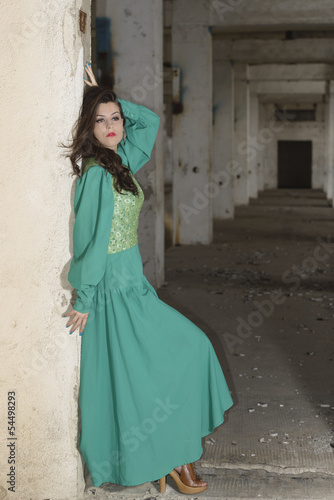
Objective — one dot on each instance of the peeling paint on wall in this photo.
(41, 92)
(71, 37)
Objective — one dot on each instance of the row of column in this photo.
(215, 167)
(218, 156)
(213, 171)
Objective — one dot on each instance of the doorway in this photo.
(295, 164)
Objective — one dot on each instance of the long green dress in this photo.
(151, 385)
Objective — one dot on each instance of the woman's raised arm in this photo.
(141, 127)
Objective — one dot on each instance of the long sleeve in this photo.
(141, 126)
(93, 208)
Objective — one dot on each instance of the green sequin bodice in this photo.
(124, 226)
(127, 206)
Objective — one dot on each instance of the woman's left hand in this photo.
(79, 320)
(92, 82)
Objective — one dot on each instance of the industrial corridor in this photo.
(263, 293)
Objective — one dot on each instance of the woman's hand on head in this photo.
(92, 81)
(79, 320)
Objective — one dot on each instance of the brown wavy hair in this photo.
(84, 144)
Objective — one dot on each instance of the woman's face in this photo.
(108, 128)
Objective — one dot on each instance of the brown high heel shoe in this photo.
(187, 481)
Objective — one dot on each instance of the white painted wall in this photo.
(42, 55)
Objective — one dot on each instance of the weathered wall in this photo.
(42, 54)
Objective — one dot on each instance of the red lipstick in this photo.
(112, 134)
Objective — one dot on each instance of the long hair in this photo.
(84, 144)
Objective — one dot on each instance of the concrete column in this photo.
(260, 163)
(270, 156)
(222, 149)
(137, 36)
(241, 133)
(192, 129)
(255, 148)
(43, 53)
(326, 113)
(329, 140)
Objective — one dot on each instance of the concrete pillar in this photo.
(136, 37)
(241, 132)
(326, 113)
(43, 52)
(270, 155)
(192, 128)
(222, 149)
(260, 157)
(255, 147)
(329, 140)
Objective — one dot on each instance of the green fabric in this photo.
(90, 162)
(94, 203)
(141, 126)
(151, 385)
(93, 208)
(124, 227)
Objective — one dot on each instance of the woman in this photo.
(151, 385)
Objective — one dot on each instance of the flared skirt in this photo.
(151, 385)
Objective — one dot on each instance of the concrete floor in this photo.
(271, 270)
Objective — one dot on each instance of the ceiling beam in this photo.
(275, 51)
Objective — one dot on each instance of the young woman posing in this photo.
(151, 385)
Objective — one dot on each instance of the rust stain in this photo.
(82, 21)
